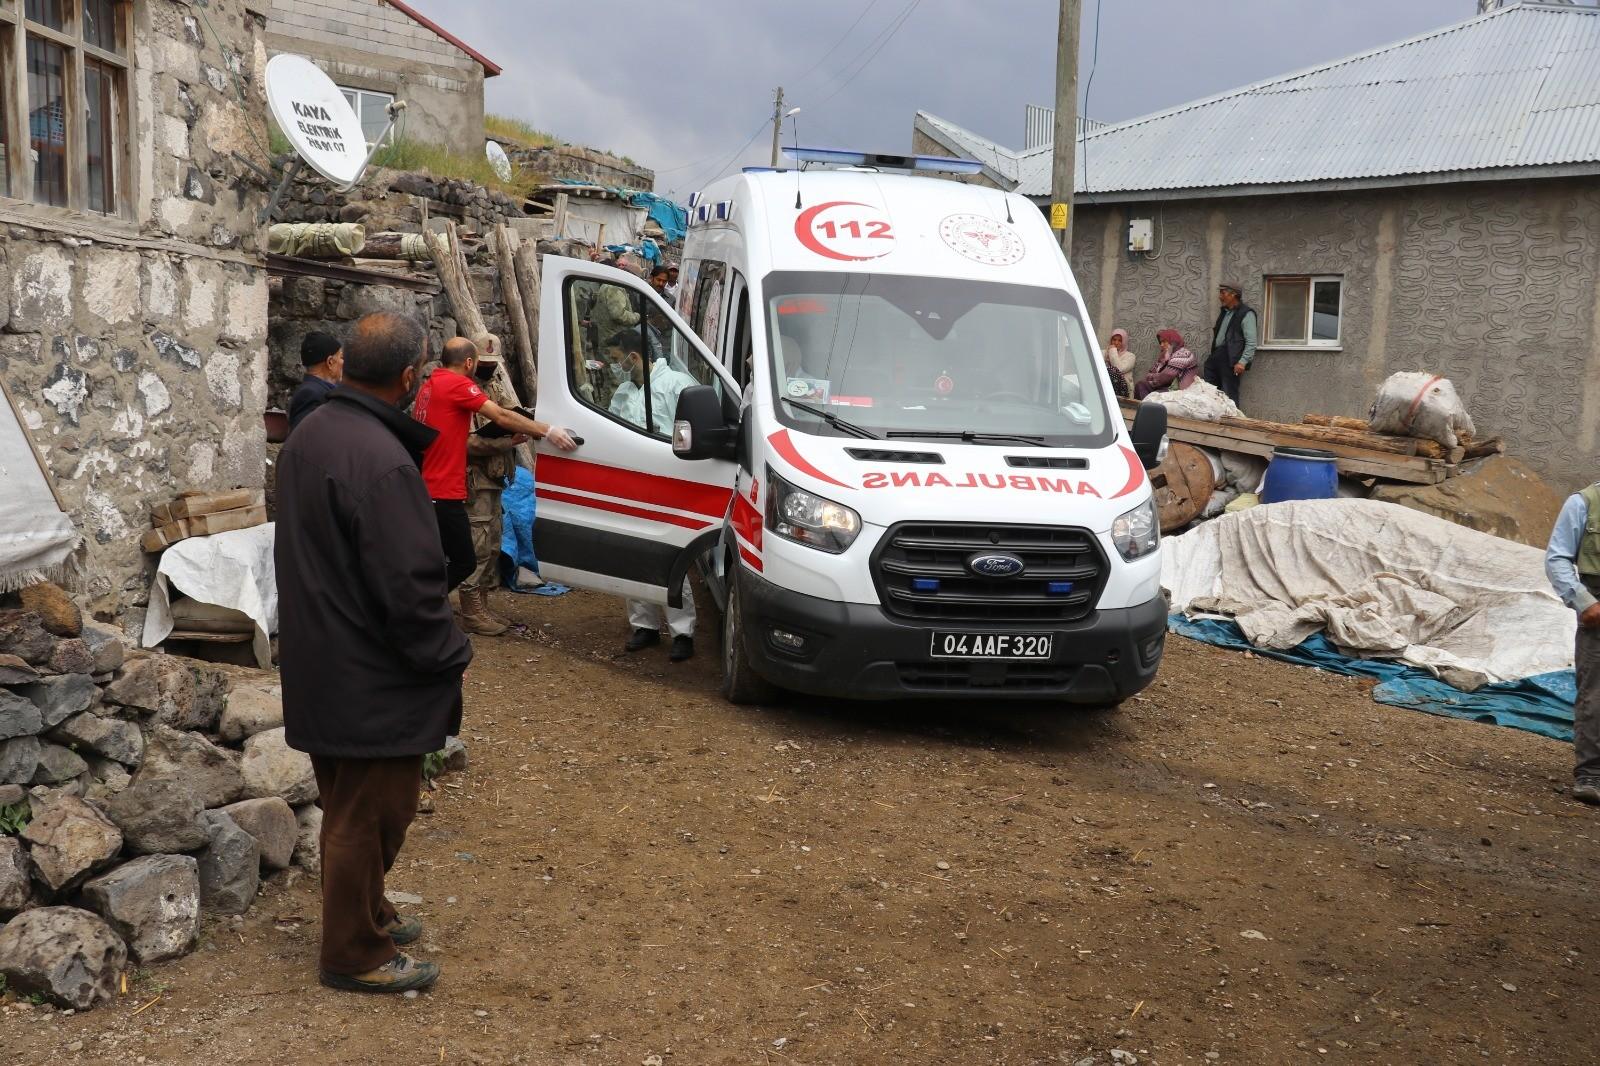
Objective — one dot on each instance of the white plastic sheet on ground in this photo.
(1384, 581)
(35, 537)
(228, 569)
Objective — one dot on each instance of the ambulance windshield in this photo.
(906, 355)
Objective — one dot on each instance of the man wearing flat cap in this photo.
(1233, 342)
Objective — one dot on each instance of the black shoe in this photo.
(682, 648)
(642, 638)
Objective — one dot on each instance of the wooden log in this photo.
(1328, 435)
(1430, 448)
(403, 246)
(530, 284)
(1481, 448)
(1184, 483)
(506, 244)
(1338, 422)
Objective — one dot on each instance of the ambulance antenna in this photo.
(794, 133)
(1009, 220)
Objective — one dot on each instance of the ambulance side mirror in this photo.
(700, 429)
(1149, 434)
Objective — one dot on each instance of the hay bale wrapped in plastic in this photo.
(1422, 405)
(1201, 400)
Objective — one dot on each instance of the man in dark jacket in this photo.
(371, 657)
(323, 360)
(1233, 342)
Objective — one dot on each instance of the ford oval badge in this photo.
(995, 564)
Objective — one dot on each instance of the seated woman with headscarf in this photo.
(1119, 361)
(1176, 367)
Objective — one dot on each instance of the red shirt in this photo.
(446, 402)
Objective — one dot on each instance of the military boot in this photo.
(475, 617)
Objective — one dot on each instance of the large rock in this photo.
(153, 903)
(1500, 495)
(308, 844)
(15, 889)
(160, 685)
(58, 765)
(71, 656)
(110, 737)
(59, 698)
(19, 717)
(271, 821)
(12, 794)
(272, 768)
(67, 955)
(157, 815)
(251, 709)
(455, 755)
(22, 634)
(105, 644)
(69, 841)
(14, 670)
(19, 758)
(54, 607)
(210, 772)
(230, 866)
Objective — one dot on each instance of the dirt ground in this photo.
(1251, 863)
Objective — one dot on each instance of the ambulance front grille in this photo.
(921, 572)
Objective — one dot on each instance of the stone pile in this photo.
(136, 792)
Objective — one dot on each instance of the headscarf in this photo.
(1172, 337)
(1118, 333)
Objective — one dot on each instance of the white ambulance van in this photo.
(878, 421)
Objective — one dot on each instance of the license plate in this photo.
(1022, 646)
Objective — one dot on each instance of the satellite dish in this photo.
(498, 159)
(313, 113)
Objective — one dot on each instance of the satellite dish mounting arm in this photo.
(294, 166)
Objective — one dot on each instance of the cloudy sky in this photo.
(681, 85)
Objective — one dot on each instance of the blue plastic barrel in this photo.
(1300, 474)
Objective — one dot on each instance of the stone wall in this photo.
(135, 348)
(1495, 285)
(387, 200)
(369, 44)
(586, 164)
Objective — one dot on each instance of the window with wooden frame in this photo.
(1304, 312)
(64, 103)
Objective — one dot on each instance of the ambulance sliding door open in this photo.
(622, 514)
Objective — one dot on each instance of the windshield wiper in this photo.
(968, 435)
(833, 420)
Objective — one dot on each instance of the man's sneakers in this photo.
(400, 974)
(404, 931)
(641, 639)
(1587, 791)
(682, 648)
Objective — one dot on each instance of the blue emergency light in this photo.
(843, 157)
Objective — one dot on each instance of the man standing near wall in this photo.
(371, 659)
(1572, 562)
(323, 360)
(1233, 342)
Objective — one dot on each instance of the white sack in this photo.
(228, 569)
(1201, 400)
(35, 537)
(1420, 405)
(1384, 581)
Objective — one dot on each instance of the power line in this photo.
(734, 158)
(845, 37)
(887, 35)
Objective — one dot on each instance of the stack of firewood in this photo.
(201, 514)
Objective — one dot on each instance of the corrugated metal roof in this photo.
(1518, 87)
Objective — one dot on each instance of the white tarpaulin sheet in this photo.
(1382, 580)
(227, 569)
(35, 537)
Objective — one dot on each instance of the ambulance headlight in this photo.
(808, 519)
(1137, 532)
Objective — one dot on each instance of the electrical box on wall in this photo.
(1141, 235)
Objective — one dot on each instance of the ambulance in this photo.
(877, 422)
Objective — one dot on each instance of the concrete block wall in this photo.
(135, 348)
(571, 161)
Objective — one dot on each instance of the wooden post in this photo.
(506, 243)
(561, 215)
(530, 284)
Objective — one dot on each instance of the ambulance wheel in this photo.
(740, 683)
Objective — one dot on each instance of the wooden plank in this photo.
(210, 638)
(194, 504)
(1329, 435)
(227, 521)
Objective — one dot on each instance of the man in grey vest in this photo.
(1572, 562)
(1233, 342)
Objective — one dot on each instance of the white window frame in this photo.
(1307, 341)
(353, 96)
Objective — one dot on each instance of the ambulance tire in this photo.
(741, 685)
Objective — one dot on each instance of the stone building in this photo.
(1432, 204)
(381, 50)
(133, 305)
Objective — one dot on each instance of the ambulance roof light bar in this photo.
(884, 160)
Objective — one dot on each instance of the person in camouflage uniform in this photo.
(491, 461)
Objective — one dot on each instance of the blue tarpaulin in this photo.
(672, 218)
(1541, 704)
(516, 532)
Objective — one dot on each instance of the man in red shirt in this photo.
(446, 402)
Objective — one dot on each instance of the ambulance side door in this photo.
(621, 514)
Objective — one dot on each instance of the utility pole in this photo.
(777, 124)
(1063, 164)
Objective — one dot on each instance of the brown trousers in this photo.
(367, 805)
